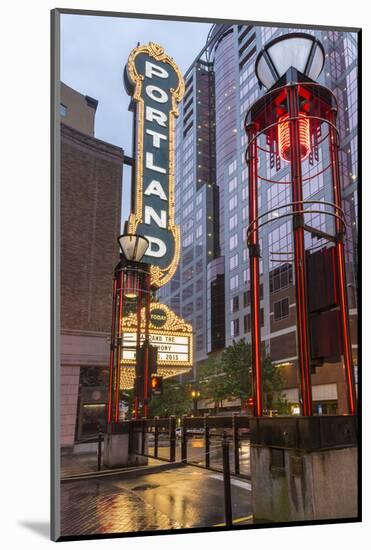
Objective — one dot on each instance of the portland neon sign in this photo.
(156, 85)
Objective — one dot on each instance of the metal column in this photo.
(340, 256)
(254, 255)
(299, 252)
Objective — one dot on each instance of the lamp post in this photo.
(195, 395)
(131, 282)
(289, 130)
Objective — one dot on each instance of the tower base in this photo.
(304, 468)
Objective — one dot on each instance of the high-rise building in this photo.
(211, 286)
(90, 209)
(196, 203)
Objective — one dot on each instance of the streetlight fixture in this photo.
(131, 288)
(300, 50)
(133, 246)
(195, 395)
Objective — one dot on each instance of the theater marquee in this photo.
(172, 336)
(157, 86)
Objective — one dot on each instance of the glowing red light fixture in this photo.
(284, 137)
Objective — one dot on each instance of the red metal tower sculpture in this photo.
(292, 133)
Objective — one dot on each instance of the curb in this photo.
(125, 473)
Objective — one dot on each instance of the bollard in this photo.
(131, 436)
(100, 438)
(227, 481)
(172, 437)
(207, 441)
(236, 445)
(184, 439)
(143, 441)
(156, 437)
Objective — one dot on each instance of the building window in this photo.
(247, 321)
(232, 167)
(199, 285)
(281, 309)
(232, 184)
(233, 282)
(280, 278)
(247, 295)
(233, 202)
(63, 110)
(233, 262)
(233, 242)
(233, 222)
(234, 304)
(235, 327)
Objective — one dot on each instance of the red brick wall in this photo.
(91, 182)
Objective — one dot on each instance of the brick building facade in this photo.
(91, 186)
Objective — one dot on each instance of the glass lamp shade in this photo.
(299, 50)
(133, 246)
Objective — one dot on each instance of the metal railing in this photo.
(196, 441)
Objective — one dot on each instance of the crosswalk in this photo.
(237, 482)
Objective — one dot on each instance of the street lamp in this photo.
(195, 395)
(133, 246)
(131, 283)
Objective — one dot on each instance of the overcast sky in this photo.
(94, 51)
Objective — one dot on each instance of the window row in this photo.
(235, 324)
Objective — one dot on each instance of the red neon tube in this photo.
(147, 286)
(112, 351)
(118, 358)
(254, 272)
(344, 312)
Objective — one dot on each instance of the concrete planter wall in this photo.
(304, 468)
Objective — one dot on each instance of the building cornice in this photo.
(96, 146)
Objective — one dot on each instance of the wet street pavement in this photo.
(181, 498)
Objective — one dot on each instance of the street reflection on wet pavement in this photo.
(180, 498)
(92, 507)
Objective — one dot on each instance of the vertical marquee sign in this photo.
(156, 85)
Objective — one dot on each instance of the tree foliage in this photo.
(176, 400)
(231, 376)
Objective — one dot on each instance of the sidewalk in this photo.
(87, 463)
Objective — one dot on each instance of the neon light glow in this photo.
(284, 137)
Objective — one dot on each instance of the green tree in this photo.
(176, 400)
(212, 382)
(231, 377)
